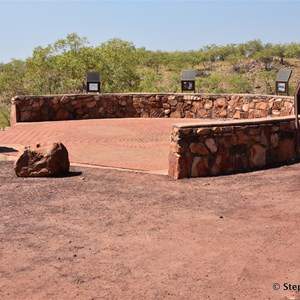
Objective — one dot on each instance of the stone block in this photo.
(223, 113)
(173, 102)
(176, 114)
(64, 99)
(199, 167)
(202, 113)
(237, 115)
(198, 149)
(274, 140)
(91, 104)
(177, 166)
(245, 107)
(184, 131)
(222, 163)
(211, 145)
(241, 162)
(203, 131)
(261, 105)
(287, 150)
(208, 104)
(188, 114)
(239, 137)
(257, 156)
(62, 115)
(24, 116)
(156, 112)
(175, 148)
(220, 102)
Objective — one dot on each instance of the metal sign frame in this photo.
(93, 87)
(282, 88)
(188, 80)
(282, 81)
(188, 85)
(296, 111)
(93, 82)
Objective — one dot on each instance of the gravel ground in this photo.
(108, 234)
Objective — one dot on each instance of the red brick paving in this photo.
(139, 144)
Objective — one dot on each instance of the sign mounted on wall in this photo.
(282, 81)
(188, 80)
(93, 82)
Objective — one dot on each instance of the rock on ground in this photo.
(42, 160)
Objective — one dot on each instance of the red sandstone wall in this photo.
(88, 106)
(198, 150)
(228, 147)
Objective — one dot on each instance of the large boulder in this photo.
(42, 160)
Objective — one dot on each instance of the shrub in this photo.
(238, 84)
(4, 115)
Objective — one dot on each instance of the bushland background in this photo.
(61, 68)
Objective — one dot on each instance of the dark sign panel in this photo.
(93, 82)
(282, 81)
(188, 80)
(93, 77)
(281, 87)
(187, 85)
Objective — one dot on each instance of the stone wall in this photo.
(218, 148)
(89, 106)
(213, 148)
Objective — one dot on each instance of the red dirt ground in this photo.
(108, 234)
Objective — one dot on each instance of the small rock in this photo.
(211, 145)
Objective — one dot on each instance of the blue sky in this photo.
(157, 25)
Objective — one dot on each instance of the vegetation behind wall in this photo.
(61, 68)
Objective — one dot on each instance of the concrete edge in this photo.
(158, 172)
(151, 94)
(13, 158)
(209, 122)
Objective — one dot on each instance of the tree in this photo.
(252, 48)
(238, 84)
(265, 55)
(60, 67)
(118, 65)
(150, 81)
(212, 84)
(12, 80)
(11, 83)
(293, 50)
(71, 44)
(280, 51)
(42, 76)
(268, 78)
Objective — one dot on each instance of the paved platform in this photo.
(136, 144)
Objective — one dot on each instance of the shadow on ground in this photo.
(66, 175)
(7, 149)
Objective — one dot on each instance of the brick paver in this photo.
(139, 144)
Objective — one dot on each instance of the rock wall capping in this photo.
(219, 148)
(92, 106)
